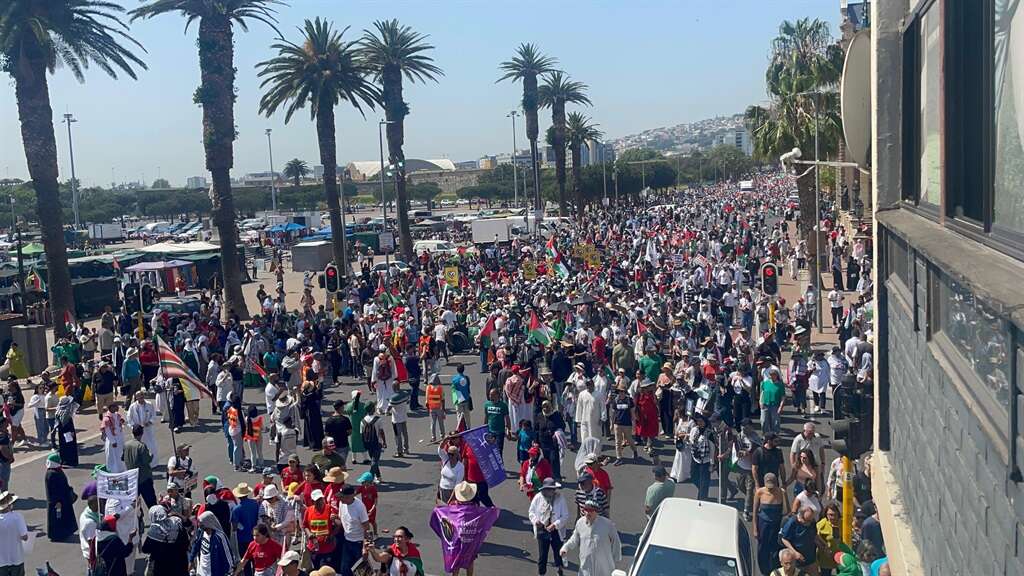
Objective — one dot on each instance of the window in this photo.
(929, 107)
(1008, 84)
(899, 260)
(976, 340)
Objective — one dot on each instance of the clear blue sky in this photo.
(648, 63)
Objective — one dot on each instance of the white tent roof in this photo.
(182, 248)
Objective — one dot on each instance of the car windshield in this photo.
(660, 561)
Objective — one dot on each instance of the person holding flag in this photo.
(401, 558)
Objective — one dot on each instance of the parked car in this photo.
(382, 266)
(687, 537)
(434, 247)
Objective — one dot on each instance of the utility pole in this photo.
(273, 181)
(69, 119)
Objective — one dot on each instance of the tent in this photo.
(182, 248)
(286, 228)
(163, 274)
(30, 249)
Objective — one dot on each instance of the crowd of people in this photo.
(639, 334)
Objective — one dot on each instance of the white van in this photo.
(692, 538)
(434, 247)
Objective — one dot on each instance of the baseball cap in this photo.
(289, 557)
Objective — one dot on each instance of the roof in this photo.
(184, 247)
(705, 527)
(371, 168)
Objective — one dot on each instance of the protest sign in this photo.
(462, 530)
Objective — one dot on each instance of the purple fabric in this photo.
(487, 455)
(462, 530)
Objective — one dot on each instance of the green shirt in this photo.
(495, 414)
(651, 366)
(622, 357)
(772, 393)
(137, 455)
(657, 492)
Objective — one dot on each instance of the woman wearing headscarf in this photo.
(166, 544)
(111, 550)
(356, 411)
(211, 554)
(177, 405)
(60, 500)
(310, 397)
(64, 429)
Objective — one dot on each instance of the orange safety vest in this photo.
(232, 419)
(257, 428)
(434, 396)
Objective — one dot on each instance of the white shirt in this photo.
(86, 531)
(12, 530)
(450, 475)
(352, 518)
(556, 513)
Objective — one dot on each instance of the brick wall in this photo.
(966, 512)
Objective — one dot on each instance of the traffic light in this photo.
(331, 279)
(853, 435)
(149, 296)
(131, 297)
(769, 279)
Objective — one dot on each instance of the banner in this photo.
(529, 269)
(123, 486)
(451, 276)
(484, 448)
(462, 530)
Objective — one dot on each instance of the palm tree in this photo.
(555, 93)
(296, 170)
(321, 71)
(527, 65)
(395, 52)
(802, 74)
(216, 94)
(34, 38)
(578, 131)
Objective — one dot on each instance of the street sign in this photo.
(451, 276)
(386, 240)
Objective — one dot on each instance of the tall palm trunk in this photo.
(395, 111)
(327, 139)
(577, 180)
(558, 120)
(36, 116)
(532, 132)
(217, 96)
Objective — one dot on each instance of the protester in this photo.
(597, 541)
(549, 516)
(60, 499)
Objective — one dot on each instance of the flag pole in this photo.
(167, 397)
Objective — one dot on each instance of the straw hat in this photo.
(336, 475)
(465, 491)
(242, 490)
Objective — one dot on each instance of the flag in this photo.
(462, 530)
(116, 265)
(35, 281)
(488, 327)
(172, 366)
(485, 450)
(401, 374)
(651, 253)
(69, 319)
(256, 368)
(641, 328)
(380, 286)
(539, 332)
(556, 258)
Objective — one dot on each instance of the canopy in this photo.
(184, 247)
(150, 266)
(289, 227)
(32, 248)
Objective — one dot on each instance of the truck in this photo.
(485, 230)
(111, 232)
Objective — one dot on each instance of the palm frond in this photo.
(528, 62)
(394, 45)
(558, 88)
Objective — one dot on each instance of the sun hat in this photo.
(366, 477)
(550, 484)
(336, 475)
(7, 499)
(465, 491)
(288, 558)
(317, 495)
(591, 505)
(242, 490)
(270, 491)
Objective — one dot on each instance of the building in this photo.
(487, 163)
(522, 158)
(466, 165)
(947, 159)
(599, 152)
(370, 169)
(195, 182)
(260, 179)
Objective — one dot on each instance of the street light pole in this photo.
(69, 119)
(515, 171)
(273, 181)
(817, 216)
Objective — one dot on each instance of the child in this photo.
(367, 492)
(525, 440)
(38, 406)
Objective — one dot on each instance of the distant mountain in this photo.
(682, 138)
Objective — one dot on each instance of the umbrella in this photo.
(559, 307)
(585, 299)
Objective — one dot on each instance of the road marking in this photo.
(44, 454)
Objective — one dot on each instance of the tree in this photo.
(395, 52)
(803, 71)
(36, 37)
(216, 95)
(295, 170)
(557, 91)
(526, 66)
(321, 71)
(730, 162)
(579, 130)
(161, 184)
(426, 191)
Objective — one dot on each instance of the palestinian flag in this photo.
(380, 286)
(401, 374)
(539, 332)
(34, 281)
(641, 328)
(257, 369)
(556, 258)
(411, 558)
(172, 366)
(488, 327)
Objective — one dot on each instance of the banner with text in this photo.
(485, 449)
(462, 530)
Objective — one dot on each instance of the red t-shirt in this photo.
(601, 479)
(263, 555)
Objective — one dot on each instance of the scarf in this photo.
(411, 555)
(162, 528)
(65, 409)
(208, 520)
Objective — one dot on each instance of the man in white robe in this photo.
(142, 413)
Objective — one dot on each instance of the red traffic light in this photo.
(769, 271)
(332, 272)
